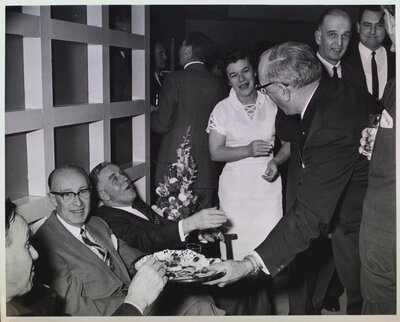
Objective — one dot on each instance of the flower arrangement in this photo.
(176, 199)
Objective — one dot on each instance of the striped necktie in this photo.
(145, 209)
(99, 250)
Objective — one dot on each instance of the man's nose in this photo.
(34, 253)
(77, 200)
(373, 30)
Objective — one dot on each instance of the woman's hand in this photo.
(272, 171)
(258, 148)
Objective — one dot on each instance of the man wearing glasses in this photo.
(333, 176)
(87, 266)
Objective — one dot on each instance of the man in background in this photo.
(370, 56)
(187, 99)
(378, 225)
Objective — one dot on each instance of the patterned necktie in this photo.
(335, 74)
(142, 207)
(375, 80)
(99, 250)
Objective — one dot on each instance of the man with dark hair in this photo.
(187, 99)
(370, 56)
(88, 267)
(334, 176)
(20, 256)
(133, 221)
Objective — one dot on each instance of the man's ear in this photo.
(358, 27)
(188, 51)
(317, 35)
(285, 92)
(104, 196)
(52, 199)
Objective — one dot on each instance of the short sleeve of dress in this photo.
(216, 122)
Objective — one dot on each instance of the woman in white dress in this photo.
(241, 133)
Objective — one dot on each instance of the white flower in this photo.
(173, 180)
(162, 191)
(182, 196)
(171, 200)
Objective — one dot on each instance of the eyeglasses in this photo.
(68, 196)
(263, 88)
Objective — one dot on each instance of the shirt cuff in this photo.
(133, 304)
(182, 236)
(260, 262)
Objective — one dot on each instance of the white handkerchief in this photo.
(386, 120)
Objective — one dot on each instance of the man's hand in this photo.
(204, 219)
(390, 25)
(258, 148)
(147, 284)
(271, 173)
(235, 270)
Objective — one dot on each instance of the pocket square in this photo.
(386, 120)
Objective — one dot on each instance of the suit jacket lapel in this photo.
(67, 238)
(106, 242)
(311, 110)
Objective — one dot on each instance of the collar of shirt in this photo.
(261, 98)
(132, 211)
(366, 52)
(308, 102)
(329, 67)
(193, 62)
(75, 231)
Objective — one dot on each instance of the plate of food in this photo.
(185, 266)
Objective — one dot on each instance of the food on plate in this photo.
(183, 264)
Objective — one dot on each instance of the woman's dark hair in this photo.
(233, 55)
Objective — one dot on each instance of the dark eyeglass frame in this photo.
(74, 194)
(263, 88)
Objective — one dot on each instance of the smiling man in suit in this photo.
(370, 56)
(187, 98)
(333, 37)
(134, 221)
(89, 268)
(334, 176)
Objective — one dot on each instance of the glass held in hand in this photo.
(371, 130)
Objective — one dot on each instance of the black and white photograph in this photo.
(198, 160)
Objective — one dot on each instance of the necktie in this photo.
(141, 206)
(99, 250)
(375, 81)
(335, 74)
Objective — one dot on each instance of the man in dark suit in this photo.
(187, 99)
(333, 37)
(158, 65)
(88, 267)
(378, 225)
(334, 175)
(370, 56)
(133, 221)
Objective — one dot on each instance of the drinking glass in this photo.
(372, 128)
